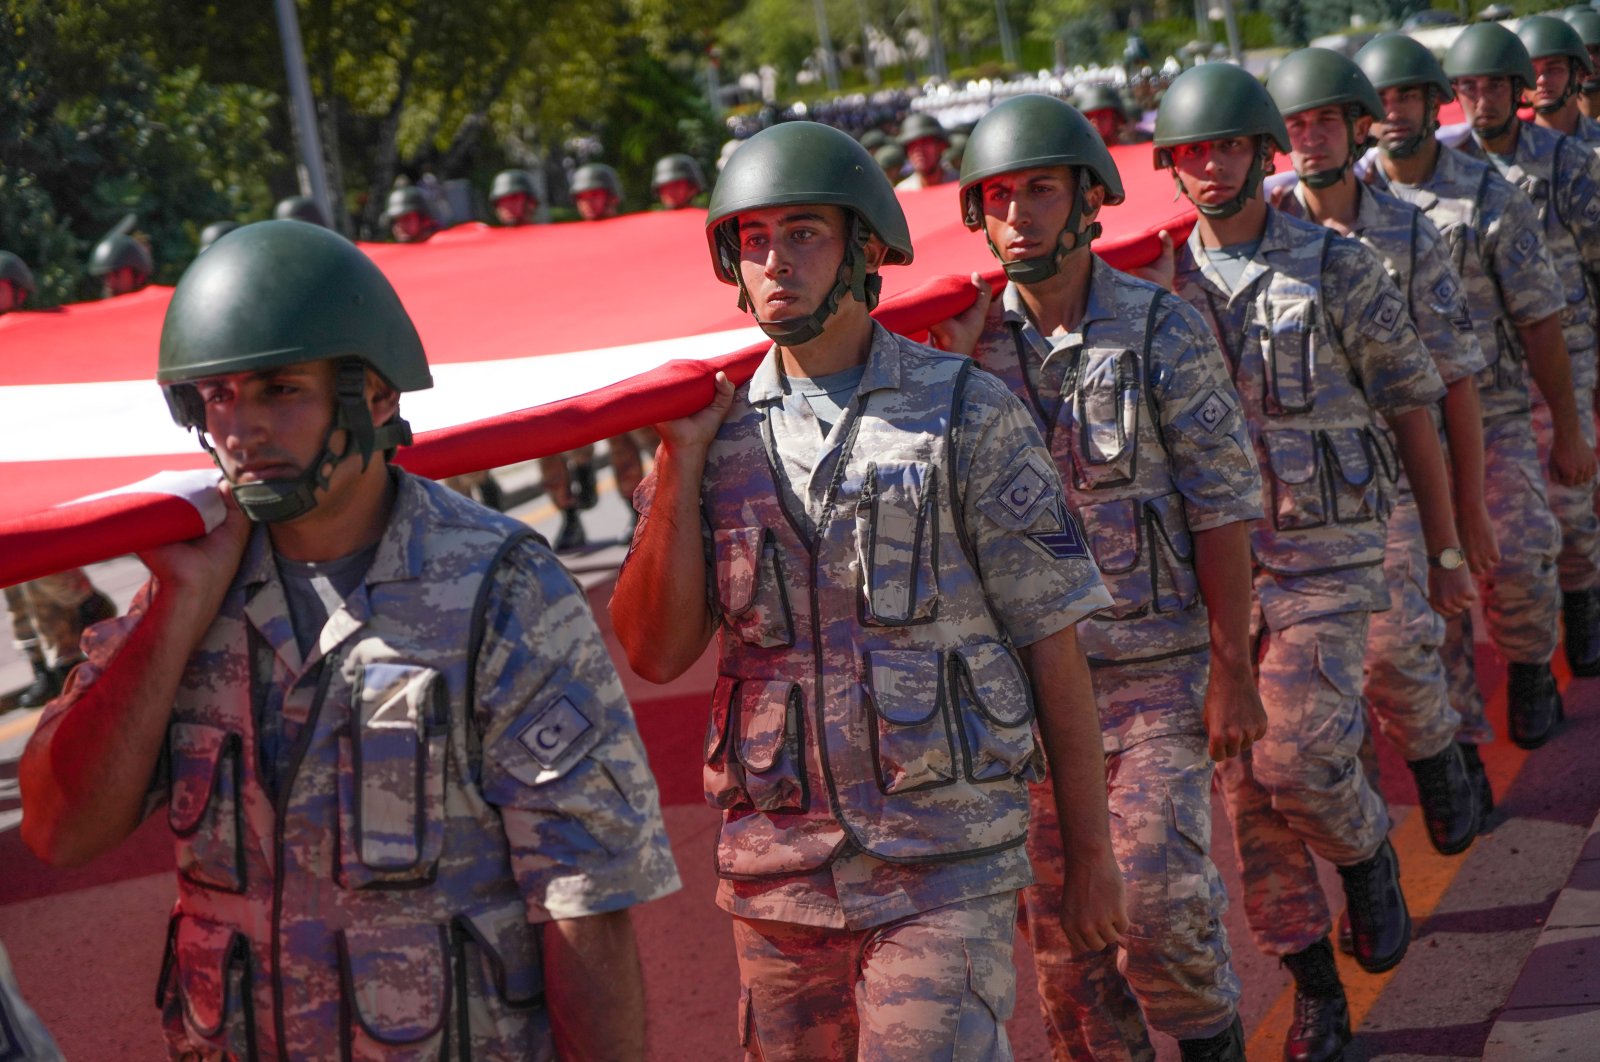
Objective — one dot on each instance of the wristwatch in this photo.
(1450, 558)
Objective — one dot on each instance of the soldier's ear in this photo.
(1094, 197)
(382, 398)
(876, 250)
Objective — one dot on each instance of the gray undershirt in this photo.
(802, 425)
(1502, 163)
(1231, 261)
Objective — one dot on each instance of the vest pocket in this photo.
(391, 777)
(912, 744)
(1107, 415)
(1173, 582)
(395, 992)
(754, 753)
(503, 970)
(996, 710)
(1353, 475)
(1112, 528)
(1297, 496)
(897, 531)
(1291, 355)
(204, 805)
(205, 988)
(750, 586)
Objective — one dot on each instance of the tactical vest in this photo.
(1317, 437)
(1106, 439)
(1503, 383)
(866, 690)
(357, 917)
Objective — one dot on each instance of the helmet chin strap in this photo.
(1329, 178)
(1069, 241)
(1568, 93)
(1505, 127)
(277, 500)
(1247, 192)
(853, 279)
(1413, 144)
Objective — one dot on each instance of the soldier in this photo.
(214, 232)
(891, 159)
(514, 198)
(1104, 108)
(1586, 20)
(925, 142)
(1321, 351)
(409, 801)
(1488, 68)
(875, 534)
(1328, 106)
(1515, 301)
(596, 191)
(676, 181)
(122, 264)
(1561, 65)
(1166, 498)
(17, 285)
(299, 208)
(408, 217)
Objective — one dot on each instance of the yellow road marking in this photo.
(1424, 874)
(19, 722)
(604, 484)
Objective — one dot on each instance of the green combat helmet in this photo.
(281, 293)
(15, 270)
(300, 208)
(806, 163)
(214, 232)
(596, 175)
(891, 159)
(1586, 20)
(671, 168)
(1394, 60)
(957, 151)
(1024, 133)
(120, 251)
(1099, 97)
(1547, 37)
(921, 127)
(873, 139)
(511, 182)
(407, 200)
(1215, 101)
(1317, 77)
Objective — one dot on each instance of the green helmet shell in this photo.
(510, 182)
(1027, 132)
(1320, 77)
(596, 175)
(873, 139)
(279, 293)
(14, 269)
(1099, 97)
(1488, 49)
(677, 167)
(300, 208)
(1214, 101)
(1586, 20)
(407, 200)
(120, 251)
(921, 126)
(813, 164)
(215, 231)
(890, 157)
(1392, 60)
(1545, 36)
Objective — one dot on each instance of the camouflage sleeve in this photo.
(561, 754)
(1368, 315)
(1202, 422)
(1580, 192)
(1439, 308)
(1031, 554)
(1520, 258)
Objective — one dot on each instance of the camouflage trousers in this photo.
(45, 613)
(1174, 969)
(1578, 564)
(1302, 788)
(556, 474)
(1406, 687)
(1521, 598)
(939, 985)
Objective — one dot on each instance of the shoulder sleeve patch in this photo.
(1385, 316)
(554, 731)
(1523, 246)
(1021, 492)
(1210, 410)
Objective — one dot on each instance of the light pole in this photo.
(830, 61)
(1008, 38)
(304, 112)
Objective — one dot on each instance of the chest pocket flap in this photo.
(750, 585)
(204, 805)
(897, 526)
(398, 735)
(395, 982)
(1298, 500)
(1289, 309)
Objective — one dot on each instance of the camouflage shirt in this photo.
(441, 802)
(1320, 346)
(1498, 248)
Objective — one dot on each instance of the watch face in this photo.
(1451, 558)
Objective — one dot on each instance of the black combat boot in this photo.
(584, 491)
(1480, 783)
(46, 684)
(1341, 929)
(1380, 925)
(1225, 1046)
(491, 495)
(1449, 799)
(1580, 614)
(1321, 1016)
(1533, 704)
(571, 537)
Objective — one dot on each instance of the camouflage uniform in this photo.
(1406, 686)
(870, 730)
(1563, 180)
(1588, 132)
(54, 606)
(1497, 248)
(436, 800)
(556, 475)
(1137, 409)
(23, 1037)
(24, 638)
(1320, 344)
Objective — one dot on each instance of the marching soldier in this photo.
(596, 191)
(925, 142)
(1561, 65)
(1586, 21)
(1132, 396)
(122, 264)
(875, 534)
(1321, 351)
(408, 217)
(514, 198)
(891, 159)
(1488, 68)
(1328, 107)
(677, 179)
(1106, 111)
(17, 285)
